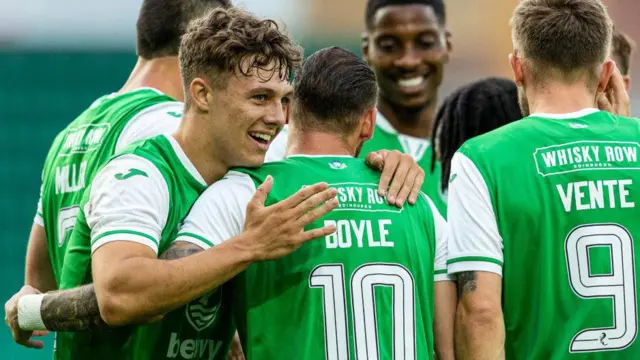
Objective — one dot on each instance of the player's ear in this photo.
(448, 45)
(605, 74)
(200, 93)
(364, 43)
(368, 124)
(516, 67)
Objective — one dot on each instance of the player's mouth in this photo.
(261, 139)
(412, 84)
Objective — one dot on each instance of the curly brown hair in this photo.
(231, 41)
(562, 37)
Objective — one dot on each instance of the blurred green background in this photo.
(36, 104)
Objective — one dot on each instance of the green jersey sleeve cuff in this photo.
(124, 235)
(474, 263)
(194, 239)
(442, 275)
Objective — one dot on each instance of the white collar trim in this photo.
(384, 124)
(185, 160)
(573, 115)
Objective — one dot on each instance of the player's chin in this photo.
(255, 159)
(416, 101)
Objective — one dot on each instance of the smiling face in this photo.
(250, 112)
(407, 48)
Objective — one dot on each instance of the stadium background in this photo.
(56, 57)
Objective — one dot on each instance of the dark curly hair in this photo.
(227, 41)
(472, 110)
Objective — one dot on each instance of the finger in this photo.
(408, 185)
(375, 160)
(296, 199)
(40, 333)
(316, 233)
(34, 344)
(417, 187)
(389, 168)
(316, 213)
(312, 203)
(618, 96)
(399, 178)
(261, 194)
(603, 102)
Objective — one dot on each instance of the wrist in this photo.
(29, 315)
(242, 247)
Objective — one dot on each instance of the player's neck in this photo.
(316, 143)
(408, 121)
(560, 99)
(161, 73)
(197, 145)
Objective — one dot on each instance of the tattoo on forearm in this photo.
(466, 282)
(72, 310)
(77, 309)
(179, 250)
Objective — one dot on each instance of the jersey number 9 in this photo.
(619, 284)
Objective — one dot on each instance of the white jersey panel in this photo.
(219, 213)
(475, 244)
(129, 201)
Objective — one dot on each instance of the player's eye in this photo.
(260, 97)
(387, 45)
(427, 42)
(285, 101)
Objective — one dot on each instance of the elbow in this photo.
(113, 310)
(480, 314)
(116, 306)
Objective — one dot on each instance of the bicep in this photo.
(107, 261)
(480, 291)
(180, 249)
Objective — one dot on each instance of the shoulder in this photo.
(234, 185)
(155, 119)
(129, 171)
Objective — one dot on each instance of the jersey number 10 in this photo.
(619, 284)
(363, 280)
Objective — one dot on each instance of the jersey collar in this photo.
(573, 115)
(185, 160)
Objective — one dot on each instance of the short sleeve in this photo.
(39, 217)
(278, 148)
(442, 238)
(219, 213)
(162, 118)
(128, 201)
(475, 243)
